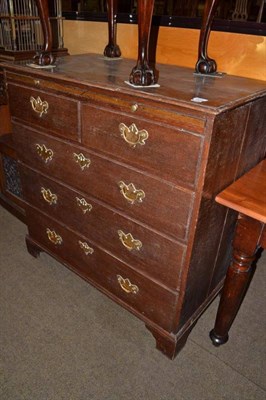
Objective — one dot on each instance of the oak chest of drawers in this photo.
(119, 182)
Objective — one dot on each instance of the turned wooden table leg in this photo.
(142, 74)
(206, 65)
(245, 244)
(112, 50)
(45, 57)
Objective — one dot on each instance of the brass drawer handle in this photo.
(48, 196)
(130, 193)
(128, 241)
(85, 247)
(126, 285)
(54, 237)
(44, 153)
(82, 160)
(82, 203)
(132, 135)
(39, 106)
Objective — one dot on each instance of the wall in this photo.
(236, 54)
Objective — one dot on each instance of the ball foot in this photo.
(44, 59)
(112, 51)
(142, 75)
(218, 340)
(206, 66)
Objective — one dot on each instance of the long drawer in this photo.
(57, 114)
(146, 251)
(104, 271)
(158, 204)
(146, 145)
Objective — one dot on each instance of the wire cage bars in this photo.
(21, 33)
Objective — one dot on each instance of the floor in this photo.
(62, 339)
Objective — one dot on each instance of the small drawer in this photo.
(114, 278)
(55, 114)
(160, 150)
(162, 206)
(152, 254)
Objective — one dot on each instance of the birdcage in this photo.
(21, 33)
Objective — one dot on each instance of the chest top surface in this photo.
(178, 85)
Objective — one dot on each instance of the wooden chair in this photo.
(247, 196)
(143, 74)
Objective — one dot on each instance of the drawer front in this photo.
(160, 150)
(53, 113)
(112, 276)
(138, 246)
(158, 204)
(152, 109)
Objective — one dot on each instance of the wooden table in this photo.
(247, 196)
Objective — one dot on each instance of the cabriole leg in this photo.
(206, 65)
(112, 50)
(45, 57)
(142, 74)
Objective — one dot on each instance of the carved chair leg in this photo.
(142, 74)
(245, 244)
(45, 57)
(112, 50)
(206, 65)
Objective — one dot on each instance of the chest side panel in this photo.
(230, 142)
